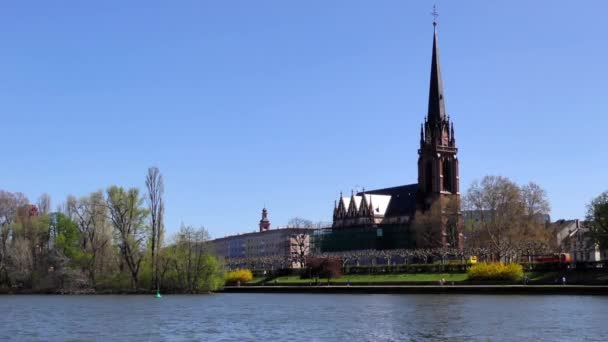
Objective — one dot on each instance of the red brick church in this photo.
(389, 211)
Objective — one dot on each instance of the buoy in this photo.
(158, 294)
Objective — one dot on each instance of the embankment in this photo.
(426, 289)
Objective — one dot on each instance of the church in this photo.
(383, 218)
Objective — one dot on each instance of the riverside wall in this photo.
(426, 289)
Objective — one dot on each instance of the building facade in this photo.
(291, 245)
(393, 210)
(582, 246)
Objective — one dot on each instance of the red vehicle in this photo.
(556, 258)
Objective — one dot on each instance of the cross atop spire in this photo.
(435, 14)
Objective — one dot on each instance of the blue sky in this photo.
(243, 104)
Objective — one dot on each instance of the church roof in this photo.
(379, 202)
(402, 199)
(357, 202)
(346, 201)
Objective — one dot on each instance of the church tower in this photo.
(438, 179)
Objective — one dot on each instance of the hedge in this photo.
(412, 268)
(496, 271)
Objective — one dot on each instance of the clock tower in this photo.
(264, 222)
(438, 179)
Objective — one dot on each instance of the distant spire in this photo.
(436, 111)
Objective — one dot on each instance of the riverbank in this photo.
(85, 292)
(74, 292)
(425, 289)
(532, 278)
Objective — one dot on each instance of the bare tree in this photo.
(6, 217)
(9, 205)
(21, 261)
(156, 207)
(507, 216)
(90, 214)
(427, 227)
(44, 204)
(127, 216)
(298, 222)
(535, 201)
(497, 202)
(453, 222)
(300, 246)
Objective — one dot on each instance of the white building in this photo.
(581, 245)
(288, 244)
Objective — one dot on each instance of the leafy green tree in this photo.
(211, 275)
(189, 265)
(128, 216)
(66, 236)
(597, 219)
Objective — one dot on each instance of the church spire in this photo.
(436, 111)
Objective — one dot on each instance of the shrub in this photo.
(323, 267)
(495, 271)
(240, 275)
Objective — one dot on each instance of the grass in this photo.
(535, 278)
(257, 280)
(365, 278)
(541, 276)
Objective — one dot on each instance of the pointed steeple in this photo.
(421, 134)
(436, 111)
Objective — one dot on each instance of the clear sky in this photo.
(243, 104)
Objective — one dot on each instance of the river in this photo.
(304, 317)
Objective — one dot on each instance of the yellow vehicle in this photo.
(470, 260)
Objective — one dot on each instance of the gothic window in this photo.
(447, 175)
(428, 176)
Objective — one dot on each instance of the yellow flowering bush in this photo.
(495, 271)
(242, 275)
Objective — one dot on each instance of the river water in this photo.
(304, 317)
